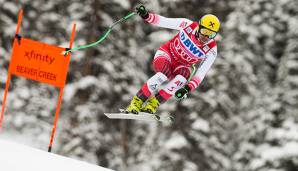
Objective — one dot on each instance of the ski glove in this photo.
(141, 10)
(182, 92)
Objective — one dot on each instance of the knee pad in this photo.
(155, 81)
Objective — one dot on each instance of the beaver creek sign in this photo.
(39, 61)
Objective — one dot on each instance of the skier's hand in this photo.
(141, 10)
(182, 92)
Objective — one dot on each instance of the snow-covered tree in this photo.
(243, 116)
(260, 52)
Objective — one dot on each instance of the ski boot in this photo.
(135, 105)
(151, 106)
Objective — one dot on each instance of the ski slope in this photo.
(16, 157)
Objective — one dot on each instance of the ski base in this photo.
(143, 116)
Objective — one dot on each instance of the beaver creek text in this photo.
(36, 72)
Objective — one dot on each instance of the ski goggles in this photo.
(206, 32)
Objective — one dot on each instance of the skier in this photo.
(194, 44)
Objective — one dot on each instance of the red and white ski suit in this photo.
(173, 59)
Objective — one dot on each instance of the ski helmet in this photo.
(210, 22)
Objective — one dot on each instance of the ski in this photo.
(143, 116)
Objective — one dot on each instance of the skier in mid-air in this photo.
(194, 44)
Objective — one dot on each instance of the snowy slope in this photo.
(15, 157)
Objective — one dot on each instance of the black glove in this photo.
(141, 10)
(182, 92)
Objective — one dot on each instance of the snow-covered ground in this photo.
(16, 157)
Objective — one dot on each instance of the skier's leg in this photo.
(151, 85)
(163, 63)
(162, 67)
(164, 94)
(182, 72)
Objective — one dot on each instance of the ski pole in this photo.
(194, 69)
(103, 37)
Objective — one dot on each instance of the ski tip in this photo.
(107, 115)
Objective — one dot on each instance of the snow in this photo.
(10, 6)
(71, 89)
(201, 124)
(160, 36)
(16, 157)
(176, 141)
(274, 153)
(242, 117)
(124, 3)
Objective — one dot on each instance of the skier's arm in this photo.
(171, 23)
(200, 74)
(160, 21)
(203, 69)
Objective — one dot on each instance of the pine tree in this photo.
(259, 52)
